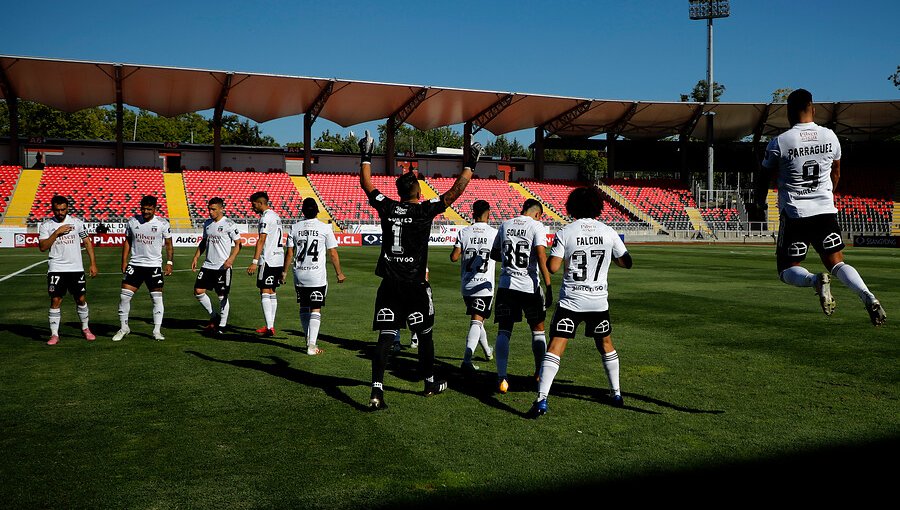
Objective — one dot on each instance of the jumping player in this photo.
(807, 160)
(586, 246)
(473, 245)
(520, 249)
(404, 296)
(64, 235)
(307, 244)
(222, 242)
(145, 237)
(268, 258)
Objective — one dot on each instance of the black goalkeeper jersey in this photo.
(405, 229)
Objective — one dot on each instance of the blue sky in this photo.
(633, 50)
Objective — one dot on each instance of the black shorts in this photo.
(311, 297)
(137, 275)
(218, 280)
(72, 282)
(398, 305)
(269, 277)
(511, 304)
(479, 304)
(796, 234)
(565, 323)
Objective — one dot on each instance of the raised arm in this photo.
(366, 148)
(455, 191)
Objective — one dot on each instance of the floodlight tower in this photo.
(708, 10)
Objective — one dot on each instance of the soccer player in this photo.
(807, 161)
(145, 236)
(520, 249)
(473, 245)
(404, 296)
(222, 242)
(307, 244)
(64, 235)
(268, 258)
(586, 246)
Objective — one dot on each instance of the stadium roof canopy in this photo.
(70, 86)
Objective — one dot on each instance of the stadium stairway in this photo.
(176, 199)
(633, 209)
(22, 198)
(428, 193)
(697, 221)
(895, 219)
(548, 210)
(772, 212)
(306, 190)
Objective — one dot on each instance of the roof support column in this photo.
(120, 119)
(539, 153)
(467, 140)
(217, 122)
(390, 145)
(12, 104)
(309, 118)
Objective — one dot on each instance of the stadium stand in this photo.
(236, 187)
(663, 199)
(505, 202)
(720, 217)
(554, 193)
(9, 175)
(99, 193)
(864, 200)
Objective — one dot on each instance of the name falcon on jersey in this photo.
(588, 241)
(796, 152)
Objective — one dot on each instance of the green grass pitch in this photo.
(735, 384)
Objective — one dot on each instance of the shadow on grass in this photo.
(281, 368)
(830, 475)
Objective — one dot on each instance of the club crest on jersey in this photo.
(565, 326)
(316, 296)
(602, 328)
(385, 315)
(221, 229)
(153, 229)
(415, 318)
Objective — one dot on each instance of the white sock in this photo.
(204, 301)
(224, 308)
(501, 351)
(611, 366)
(125, 307)
(539, 349)
(549, 368)
(269, 307)
(798, 276)
(475, 329)
(312, 333)
(83, 314)
(482, 339)
(850, 277)
(158, 310)
(304, 319)
(55, 315)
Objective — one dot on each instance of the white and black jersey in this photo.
(218, 239)
(803, 156)
(587, 247)
(147, 240)
(476, 265)
(517, 239)
(405, 229)
(65, 253)
(273, 251)
(311, 239)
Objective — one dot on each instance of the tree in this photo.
(781, 95)
(411, 140)
(592, 165)
(895, 77)
(699, 94)
(337, 142)
(503, 147)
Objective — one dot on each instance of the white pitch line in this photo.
(20, 271)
